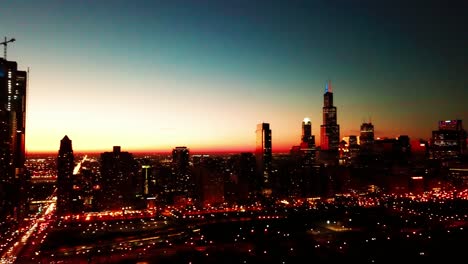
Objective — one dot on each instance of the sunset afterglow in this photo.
(150, 76)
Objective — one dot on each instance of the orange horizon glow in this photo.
(201, 139)
(162, 151)
(283, 147)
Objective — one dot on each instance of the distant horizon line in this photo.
(192, 152)
(414, 143)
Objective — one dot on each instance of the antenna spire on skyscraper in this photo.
(328, 87)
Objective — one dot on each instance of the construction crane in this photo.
(5, 43)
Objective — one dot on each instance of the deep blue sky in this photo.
(155, 74)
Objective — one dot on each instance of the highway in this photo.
(26, 239)
(34, 227)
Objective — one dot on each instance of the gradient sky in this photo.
(152, 75)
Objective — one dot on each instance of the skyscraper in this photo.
(13, 175)
(184, 182)
(246, 172)
(118, 173)
(180, 159)
(263, 153)
(353, 147)
(307, 141)
(330, 130)
(367, 135)
(449, 142)
(65, 166)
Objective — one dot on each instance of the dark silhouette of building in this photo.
(319, 181)
(184, 182)
(164, 182)
(330, 130)
(263, 153)
(83, 185)
(209, 179)
(13, 176)
(405, 145)
(449, 142)
(366, 138)
(145, 184)
(243, 183)
(307, 141)
(180, 159)
(118, 173)
(65, 166)
(393, 151)
(353, 148)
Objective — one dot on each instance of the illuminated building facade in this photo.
(263, 153)
(65, 166)
(449, 142)
(330, 130)
(349, 149)
(146, 179)
(13, 176)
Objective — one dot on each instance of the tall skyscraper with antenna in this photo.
(329, 130)
(13, 175)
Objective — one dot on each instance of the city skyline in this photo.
(152, 76)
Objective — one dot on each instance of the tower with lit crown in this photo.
(329, 130)
(307, 141)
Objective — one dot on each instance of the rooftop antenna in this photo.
(328, 87)
(5, 44)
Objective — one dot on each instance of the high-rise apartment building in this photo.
(65, 166)
(180, 159)
(263, 153)
(13, 175)
(449, 141)
(330, 130)
(118, 173)
(307, 139)
(366, 137)
(307, 146)
(183, 180)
